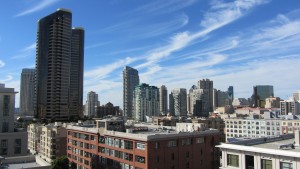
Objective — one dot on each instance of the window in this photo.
(140, 159)
(284, 165)
(6, 99)
(128, 145)
(186, 141)
(187, 154)
(156, 145)
(172, 143)
(199, 140)
(18, 142)
(172, 156)
(140, 146)
(266, 164)
(3, 143)
(3, 151)
(233, 160)
(4, 126)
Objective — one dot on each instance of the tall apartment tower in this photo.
(27, 92)
(178, 102)
(130, 81)
(163, 99)
(230, 93)
(260, 93)
(208, 87)
(91, 104)
(145, 102)
(59, 68)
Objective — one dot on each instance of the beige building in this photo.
(34, 132)
(48, 141)
(272, 102)
(12, 143)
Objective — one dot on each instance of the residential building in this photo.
(108, 110)
(272, 102)
(12, 143)
(59, 68)
(281, 152)
(296, 96)
(27, 92)
(145, 102)
(260, 93)
(165, 120)
(130, 80)
(163, 99)
(178, 102)
(53, 141)
(221, 98)
(34, 131)
(91, 104)
(215, 123)
(141, 147)
(290, 106)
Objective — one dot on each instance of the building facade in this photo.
(91, 104)
(163, 99)
(145, 102)
(178, 102)
(272, 102)
(27, 92)
(290, 106)
(12, 143)
(59, 68)
(130, 80)
(141, 148)
(261, 153)
(208, 87)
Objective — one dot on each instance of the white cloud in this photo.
(41, 5)
(25, 52)
(29, 48)
(2, 64)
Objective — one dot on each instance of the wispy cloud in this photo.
(166, 6)
(96, 45)
(7, 79)
(2, 64)
(39, 6)
(25, 52)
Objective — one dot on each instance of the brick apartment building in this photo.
(112, 145)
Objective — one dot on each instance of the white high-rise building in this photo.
(145, 102)
(27, 92)
(163, 98)
(91, 103)
(178, 102)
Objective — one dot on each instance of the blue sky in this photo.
(172, 42)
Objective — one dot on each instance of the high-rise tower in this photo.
(178, 102)
(163, 99)
(27, 92)
(130, 80)
(208, 90)
(91, 104)
(59, 68)
(260, 93)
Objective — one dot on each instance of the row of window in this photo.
(233, 160)
(119, 143)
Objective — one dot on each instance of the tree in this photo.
(61, 162)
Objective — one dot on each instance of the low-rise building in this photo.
(34, 131)
(142, 146)
(262, 153)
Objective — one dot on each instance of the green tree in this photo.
(61, 162)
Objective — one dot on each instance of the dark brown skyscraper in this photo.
(59, 68)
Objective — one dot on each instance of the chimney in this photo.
(297, 137)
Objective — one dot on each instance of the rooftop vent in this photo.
(286, 146)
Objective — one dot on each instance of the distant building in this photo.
(142, 146)
(163, 99)
(240, 102)
(178, 102)
(27, 92)
(230, 93)
(145, 101)
(12, 143)
(281, 152)
(221, 98)
(260, 93)
(91, 104)
(272, 102)
(59, 68)
(108, 110)
(208, 87)
(130, 80)
(296, 96)
(290, 106)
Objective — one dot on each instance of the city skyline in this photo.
(172, 43)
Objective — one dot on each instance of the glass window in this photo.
(6, 105)
(266, 164)
(172, 143)
(284, 165)
(199, 140)
(233, 160)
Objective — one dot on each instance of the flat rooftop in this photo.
(20, 165)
